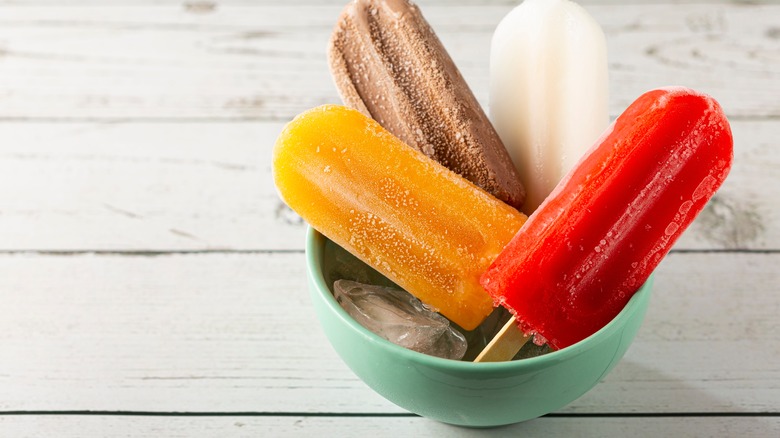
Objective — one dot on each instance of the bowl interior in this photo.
(460, 392)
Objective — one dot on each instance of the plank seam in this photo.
(361, 414)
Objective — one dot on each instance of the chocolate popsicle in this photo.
(387, 63)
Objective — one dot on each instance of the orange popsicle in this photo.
(421, 225)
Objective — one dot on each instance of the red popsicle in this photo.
(607, 225)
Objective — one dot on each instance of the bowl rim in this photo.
(315, 245)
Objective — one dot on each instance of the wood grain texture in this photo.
(236, 332)
(238, 62)
(305, 427)
(191, 186)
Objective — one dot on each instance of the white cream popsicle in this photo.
(548, 90)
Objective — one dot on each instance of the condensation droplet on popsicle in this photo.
(705, 187)
(685, 207)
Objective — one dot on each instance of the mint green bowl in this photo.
(466, 393)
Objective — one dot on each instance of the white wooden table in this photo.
(151, 282)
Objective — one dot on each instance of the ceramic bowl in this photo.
(467, 393)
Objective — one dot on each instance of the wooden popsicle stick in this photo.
(505, 345)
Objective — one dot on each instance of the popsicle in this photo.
(424, 227)
(548, 90)
(387, 62)
(607, 225)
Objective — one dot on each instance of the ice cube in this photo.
(400, 318)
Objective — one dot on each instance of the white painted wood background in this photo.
(151, 283)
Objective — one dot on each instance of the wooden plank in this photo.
(142, 186)
(236, 332)
(191, 186)
(186, 427)
(209, 332)
(268, 62)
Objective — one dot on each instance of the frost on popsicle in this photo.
(400, 318)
